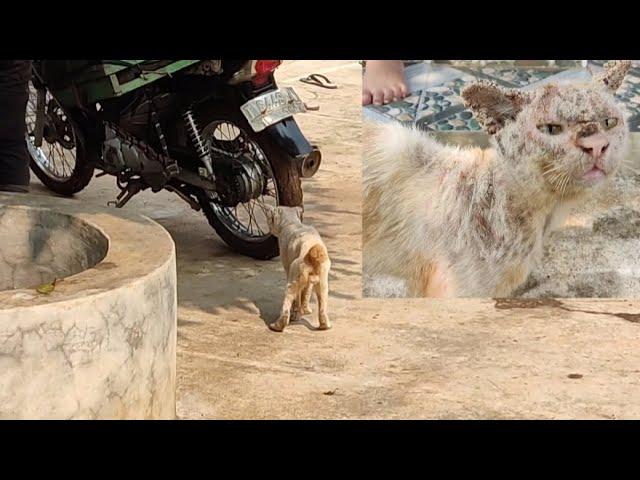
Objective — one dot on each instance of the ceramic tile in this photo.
(512, 77)
(401, 111)
(438, 106)
(436, 101)
(460, 121)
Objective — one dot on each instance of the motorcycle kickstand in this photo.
(125, 195)
(192, 203)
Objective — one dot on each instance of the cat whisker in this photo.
(629, 163)
(551, 169)
(570, 180)
(556, 180)
(565, 184)
(629, 169)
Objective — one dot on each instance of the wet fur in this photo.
(468, 222)
(306, 263)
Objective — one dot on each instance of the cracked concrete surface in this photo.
(394, 358)
(103, 343)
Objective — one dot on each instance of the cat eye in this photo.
(610, 123)
(550, 128)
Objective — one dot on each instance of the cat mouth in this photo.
(594, 174)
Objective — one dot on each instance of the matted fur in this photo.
(306, 263)
(471, 222)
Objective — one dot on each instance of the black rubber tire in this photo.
(82, 172)
(80, 178)
(287, 181)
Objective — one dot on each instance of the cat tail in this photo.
(316, 256)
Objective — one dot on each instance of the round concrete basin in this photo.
(102, 343)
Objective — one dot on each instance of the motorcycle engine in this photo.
(121, 154)
(238, 179)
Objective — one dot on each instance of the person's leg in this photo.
(14, 159)
(383, 82)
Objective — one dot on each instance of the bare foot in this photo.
(383, 82)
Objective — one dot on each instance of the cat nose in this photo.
(594, 145)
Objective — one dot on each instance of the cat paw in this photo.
(306, 310)
(325, 324)
(277, 326)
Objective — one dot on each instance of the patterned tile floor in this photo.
(434, 103)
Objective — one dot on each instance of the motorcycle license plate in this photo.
(271, 107)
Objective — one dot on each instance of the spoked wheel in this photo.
(57, 152)
(237, 209)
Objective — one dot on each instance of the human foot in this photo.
(383, 82)
(14, 188)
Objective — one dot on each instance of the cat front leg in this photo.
(512, 278)
(432, 278)
(296, 308)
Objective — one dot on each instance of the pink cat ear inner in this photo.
(613, 74)
(493, 105)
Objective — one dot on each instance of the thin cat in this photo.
(470, 222)
(306, 263)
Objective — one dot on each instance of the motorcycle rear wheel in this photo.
(283, 174)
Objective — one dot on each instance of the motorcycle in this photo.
(219, 134)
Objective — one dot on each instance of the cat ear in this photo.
(613, 75)
(493, 105)
(300, 211)
(269, 213)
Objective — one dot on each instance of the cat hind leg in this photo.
(307, 290)
(322, 294)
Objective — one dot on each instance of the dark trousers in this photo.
(14, 93)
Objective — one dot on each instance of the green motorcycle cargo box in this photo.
(80, 83)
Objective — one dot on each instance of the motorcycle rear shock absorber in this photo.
(194, 134)
(171, 166)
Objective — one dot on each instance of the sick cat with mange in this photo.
(306, 263)
(470, 222)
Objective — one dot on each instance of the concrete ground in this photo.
(394, 358)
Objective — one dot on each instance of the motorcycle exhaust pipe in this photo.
(309, 164)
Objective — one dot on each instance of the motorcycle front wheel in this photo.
(244, 227)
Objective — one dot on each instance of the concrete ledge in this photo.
(103, 343)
